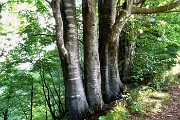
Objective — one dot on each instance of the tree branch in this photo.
(137, 10)
(1, 5)
(172, 11)
(55, 5)
(2, 52)
(121, 19)
(49, 1)
(41, 34)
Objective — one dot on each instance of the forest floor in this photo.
(144, 102)
(172, 111)
(169, 111)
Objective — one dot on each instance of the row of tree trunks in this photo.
(110, 26)
(76, 102)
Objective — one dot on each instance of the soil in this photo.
(171, 112)
(100, 111)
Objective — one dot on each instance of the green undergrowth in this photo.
(141, 102)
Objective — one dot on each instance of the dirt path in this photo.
(172, 112)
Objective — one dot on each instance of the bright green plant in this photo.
(157, 46)
(105, 118)
(119, 112)
(136, 108)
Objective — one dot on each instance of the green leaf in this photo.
(102, 118)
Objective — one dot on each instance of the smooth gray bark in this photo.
(107, 14)
(112, 84)
(91, 54)
(75, 95)
(67, 44)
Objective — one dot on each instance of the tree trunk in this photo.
(109, 42)
(0, 10)
(128, 58)
(46, 110)
(32, 95)
(5, 114)
(108, 53)
(67, 45)
(113, 86)
(76, 102)
(47, 95)
(91, 54)
(127, 51)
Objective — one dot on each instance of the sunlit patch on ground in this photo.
(176, 69)
(145, 102)
(152, 101)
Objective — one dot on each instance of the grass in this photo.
(144, 101)
(141, 102)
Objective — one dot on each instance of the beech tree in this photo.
(112, 14)
(67, 43)
(91, 54)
